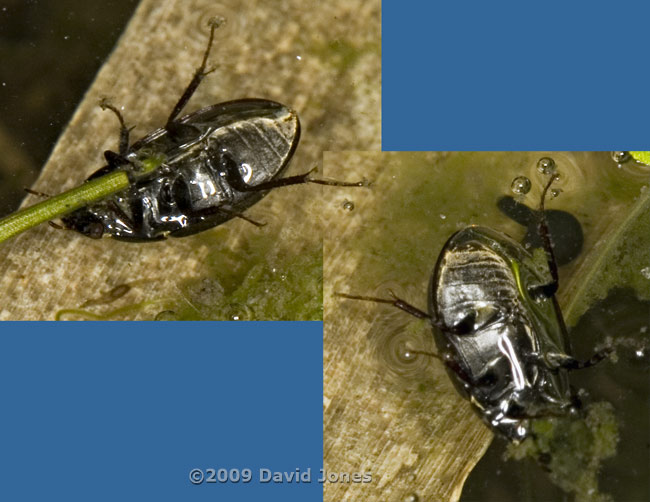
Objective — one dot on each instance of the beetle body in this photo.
(500, 334)
(499, 328)
(203, 169)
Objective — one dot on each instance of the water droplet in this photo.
(546, 165)
(555, 192)
(645, 272)
(412, 497)
(620, 157)
(348, 205)
(520, 185)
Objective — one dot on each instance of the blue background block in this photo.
(507, 75)
(124, 411)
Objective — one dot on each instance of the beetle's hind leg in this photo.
(199, 75)
(299, 179)
(575, 364)
(235, 214)
(394, 301)
(546, 240)
(235, 179)
(555, 362)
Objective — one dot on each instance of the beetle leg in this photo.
(235, 214)
(121, 215)
(114, 160)
(555, 362)
(395, 301)
(549, 289)
(39, 194)
(199, 75)
(124, 134)
(546, 237)
(303, 178)
(234, 178)
(575, 364)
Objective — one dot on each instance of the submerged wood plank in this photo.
(402, 422)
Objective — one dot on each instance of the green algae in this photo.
(573, 449)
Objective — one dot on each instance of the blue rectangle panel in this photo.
(126, 411)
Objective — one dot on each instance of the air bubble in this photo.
(404, 353)
(546, 165)
(411, 498)
(555, 192)
(520, 185)
(620, 157)
(443, 216)
(645, 272)
(348, 205)
(165, 315)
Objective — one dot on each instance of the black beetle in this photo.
(499, 329)
(197, 171)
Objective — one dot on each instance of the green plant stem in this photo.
(62, 204)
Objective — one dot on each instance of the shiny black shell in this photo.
(502, 343)
(188, 191)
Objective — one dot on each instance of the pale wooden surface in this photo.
(403, 423)
(320, 58)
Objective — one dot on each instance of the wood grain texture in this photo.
(322, 59)
(403, 422)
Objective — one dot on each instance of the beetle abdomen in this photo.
(491, 330)
(191, 191)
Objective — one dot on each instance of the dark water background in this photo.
(50, 52)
